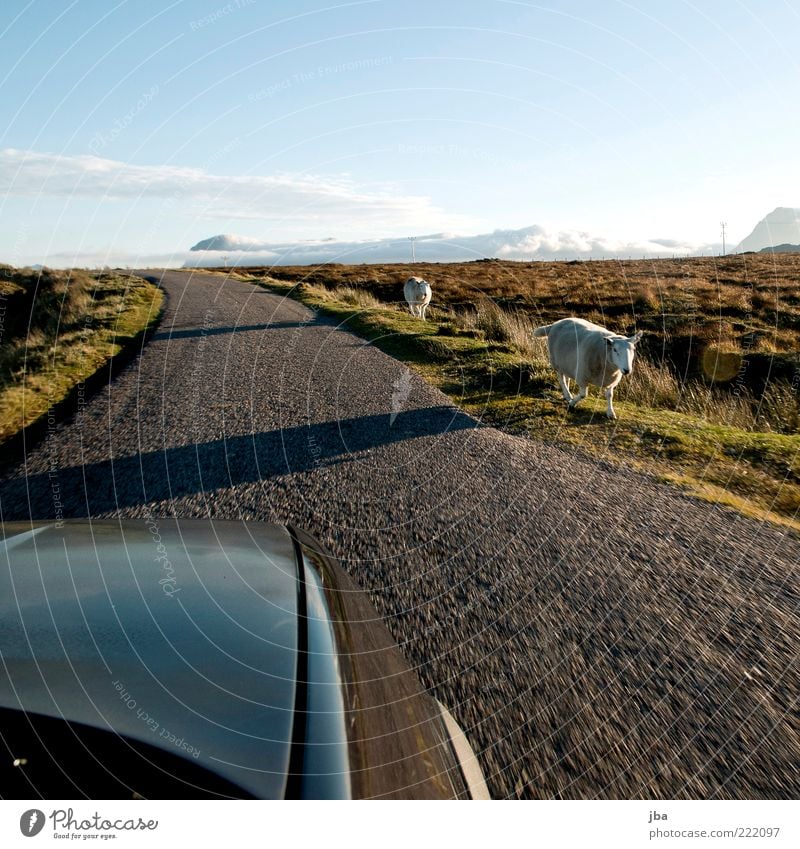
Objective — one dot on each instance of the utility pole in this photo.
(413, 239)
(723, 224)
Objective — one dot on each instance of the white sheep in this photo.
(588, 353)
(418, 295)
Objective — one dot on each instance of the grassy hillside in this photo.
(58, 328)
(712, 405)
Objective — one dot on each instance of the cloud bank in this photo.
(527, 243)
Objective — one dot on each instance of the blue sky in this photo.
(133, 130)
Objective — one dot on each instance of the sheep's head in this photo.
(621, 351)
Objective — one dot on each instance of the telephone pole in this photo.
(413, 239)
(723, 224)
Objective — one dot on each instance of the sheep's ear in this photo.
(609, 341)
(637, 337)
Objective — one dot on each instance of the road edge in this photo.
(16, 447)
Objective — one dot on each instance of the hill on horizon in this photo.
(779, 228)
(781, 249)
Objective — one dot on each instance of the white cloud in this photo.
(302, 202)
(673, 244)
(527, 243)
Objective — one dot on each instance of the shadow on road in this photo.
(75, 491)
(193, 332)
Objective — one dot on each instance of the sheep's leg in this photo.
(423, 309)
(562, 378)
(609, 393)
(576, 399)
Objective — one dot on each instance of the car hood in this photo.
(179, 634)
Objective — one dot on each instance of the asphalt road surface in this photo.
(596, 634)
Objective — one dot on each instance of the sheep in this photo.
(588, 353)
(418, 295)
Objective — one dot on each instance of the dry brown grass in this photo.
(751, 292)
(719, 331)
(489, 321)
(683, 431)
(358, 298)
(59, 328)
(651, 384)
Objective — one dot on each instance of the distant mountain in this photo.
(780, 227)
(227, 242)
(781, 249)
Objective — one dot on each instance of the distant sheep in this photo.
(589, 354)
(418, 295)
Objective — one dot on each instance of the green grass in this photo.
(511, 386)
(61, 327)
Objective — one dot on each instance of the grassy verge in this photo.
(508, 383)
(59, 328)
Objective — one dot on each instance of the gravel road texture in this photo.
(596, 633)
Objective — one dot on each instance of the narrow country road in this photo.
(595, 633)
